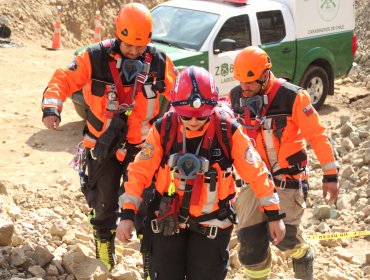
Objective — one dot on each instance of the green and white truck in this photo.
(310, 42)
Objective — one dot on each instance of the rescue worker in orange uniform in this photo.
(122, 80)
(278, 116)
(192, 159)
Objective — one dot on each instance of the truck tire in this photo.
(316, 81)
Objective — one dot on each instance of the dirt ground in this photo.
(29, 152)
(36, 157)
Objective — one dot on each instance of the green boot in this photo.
(104, 245)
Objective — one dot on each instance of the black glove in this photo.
(110, 139)
(167, 216)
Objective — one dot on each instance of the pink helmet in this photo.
(194, 93)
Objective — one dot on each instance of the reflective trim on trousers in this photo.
(257, 274)
(299, 253)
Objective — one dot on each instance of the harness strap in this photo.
(225, 211)
(294, 170)
(183, 215)
(224, 134)
(141, 78)
(167, 134)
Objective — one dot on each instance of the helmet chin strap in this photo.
(263, 83)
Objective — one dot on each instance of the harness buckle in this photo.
(154, 225)
(282, 184)
(212, 232)
(92, 154)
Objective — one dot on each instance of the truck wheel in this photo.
(316, 81)
(80, 110)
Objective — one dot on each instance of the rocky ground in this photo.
(43, 229)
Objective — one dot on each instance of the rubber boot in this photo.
(104, 245)
(303, 267)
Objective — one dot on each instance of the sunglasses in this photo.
(198, 118)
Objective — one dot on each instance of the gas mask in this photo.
(189, 165)
(255, 104)
(131, 68)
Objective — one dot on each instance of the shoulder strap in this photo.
(168, 135)
(275, 88)
(223, 130)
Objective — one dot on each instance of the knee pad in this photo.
(303, 267)
(254, 244)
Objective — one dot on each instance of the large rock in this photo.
(6, 232)
(85, 268)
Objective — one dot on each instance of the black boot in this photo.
(104, 245)
(303, 267)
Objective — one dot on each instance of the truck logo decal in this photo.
(224, 69)
(328, 9)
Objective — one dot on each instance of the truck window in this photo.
(235, 28)
(271, 26)
(182, 28)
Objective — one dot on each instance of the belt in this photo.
(209, 231)
(290, 184)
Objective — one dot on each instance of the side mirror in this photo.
(225, 45)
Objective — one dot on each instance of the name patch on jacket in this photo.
(308, 110)
(146, 152)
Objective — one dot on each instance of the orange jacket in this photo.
(91, 71)
(292, 104)
(246, 161)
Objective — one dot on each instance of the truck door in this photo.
(236, 30)
(277, 38)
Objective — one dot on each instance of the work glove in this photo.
(167, 215)
(109, 139)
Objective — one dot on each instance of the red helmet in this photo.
(194, 93)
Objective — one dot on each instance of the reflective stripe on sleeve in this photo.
(127, 198)
(268, 200)
(52, 101)
(330, 165)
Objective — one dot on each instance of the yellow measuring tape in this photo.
(327, 236)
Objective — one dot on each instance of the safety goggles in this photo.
(197, 118)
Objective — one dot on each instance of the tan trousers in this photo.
(249, 215)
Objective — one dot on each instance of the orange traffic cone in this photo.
(97, 34)
(57, 31)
